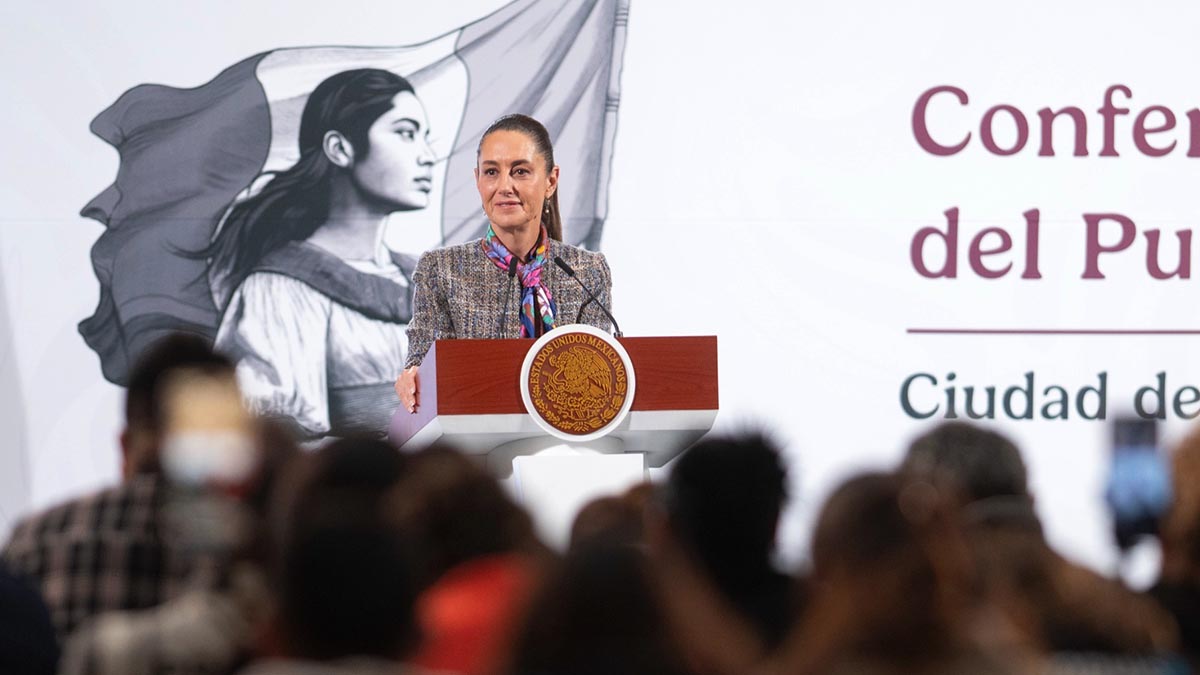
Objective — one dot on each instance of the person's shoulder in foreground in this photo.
(79, 551)
(124, 508)
(27, 640)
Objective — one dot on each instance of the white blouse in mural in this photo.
(295, 345)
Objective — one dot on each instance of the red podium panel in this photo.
(470, 396)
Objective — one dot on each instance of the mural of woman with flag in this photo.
(314, 305)
(250, 209)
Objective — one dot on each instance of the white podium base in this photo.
(554, 479)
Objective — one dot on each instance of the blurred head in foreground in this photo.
(457, 512)
(978, 463)
(1051, 604)
(723, 501)
(1178, 588)
(344, 578)
(885, 551)
(613, 519)
(152, 403)
(477, 558)
(1181, 525)
(597, 614)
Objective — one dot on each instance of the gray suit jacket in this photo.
(459, 293)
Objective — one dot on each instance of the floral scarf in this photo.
(535, 295)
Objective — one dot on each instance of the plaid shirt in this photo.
(98, 553)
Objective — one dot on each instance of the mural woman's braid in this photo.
(551, 217)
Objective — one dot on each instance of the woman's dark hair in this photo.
(296, 201)
(533, 129)
(898, 539)
(456, 513)
(980, 463)
(723, 498)
(343, 573)
(597, 614)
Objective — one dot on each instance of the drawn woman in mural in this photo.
(314, 306)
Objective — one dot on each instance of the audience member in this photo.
(613, 519)
(1178, 588)
(723, 500)
(343, 578)
(478, 560)
(108, 551)
(1060, 606)
(890, 580)
(28, 644)
(597, 615)
(210, 628)
(981, 464)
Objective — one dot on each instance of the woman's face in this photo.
(398, 167)
(513, 181)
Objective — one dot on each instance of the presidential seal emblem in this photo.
(577, 382)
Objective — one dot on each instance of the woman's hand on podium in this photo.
(407, 387)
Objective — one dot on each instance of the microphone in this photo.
(512, 274)
(562, 264)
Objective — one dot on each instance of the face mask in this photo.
(199, 458)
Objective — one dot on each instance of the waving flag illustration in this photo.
(188, 154)
(14, 468)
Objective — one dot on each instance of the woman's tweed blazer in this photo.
(459, 293)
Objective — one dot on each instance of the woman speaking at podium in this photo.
(505, 285)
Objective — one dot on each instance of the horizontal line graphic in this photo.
(1053, 331)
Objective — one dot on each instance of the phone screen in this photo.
(1139, 487)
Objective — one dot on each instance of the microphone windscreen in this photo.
(563, 264)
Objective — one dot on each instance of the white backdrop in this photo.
(766, 185)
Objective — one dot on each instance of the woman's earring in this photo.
(547, 209)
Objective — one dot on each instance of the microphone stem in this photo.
(512, 275)
(562, 264)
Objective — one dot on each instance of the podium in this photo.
(470, 398)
